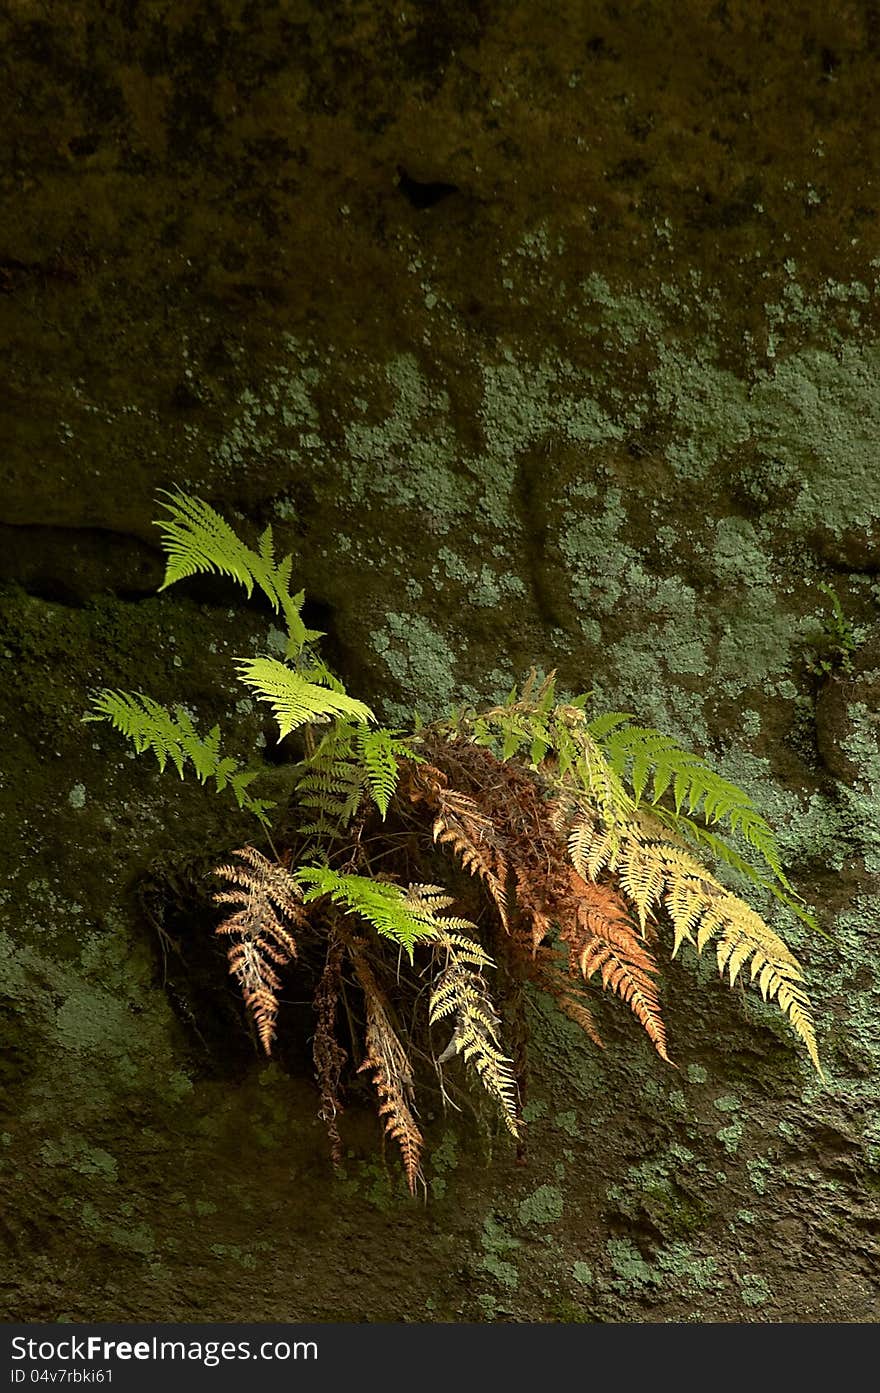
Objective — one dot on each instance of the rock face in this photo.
(542, 336)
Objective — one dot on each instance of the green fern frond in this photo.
(331, 788)
(379, 751)
(172, 736)
(197, 539)
(600, 726)
(639, 753)
(350, 763)
(295, 700)
(395, 913)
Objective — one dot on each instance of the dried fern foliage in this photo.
(578, 840)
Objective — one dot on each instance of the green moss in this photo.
(663, 1191)
(495, 1241)
(123, 1231)
(730, 1137)
(444, 1158)
(77, 1154)
(543, 1206)
(567, 1122)
(421, 661)
(633, 1272)
(755, 1289)
(728, 1103)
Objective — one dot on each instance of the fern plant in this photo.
(583, 835)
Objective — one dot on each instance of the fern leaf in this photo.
(294, 700)
(392, 1075)
(197, 539)
(395, 913)
(462, 949)
(695, 786)
(379, 751)
(581, 844)
(581, 1014)
(601, 939)
(172, 736)
(266, 899)
(744, 938)
(461, 992)
(600, 726)
(472, 836)
(643, 869)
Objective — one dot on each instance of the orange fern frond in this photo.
(266, 896)
(392, 1075)
(600, 938)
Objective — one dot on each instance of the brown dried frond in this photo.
(581, 1015)
(328, 1054)
(531, 899)
(266, 896)
(600, 938)
(497, 818)
(392, 1074)
(459, 825)
(515, 801)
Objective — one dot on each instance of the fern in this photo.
(601, 939)
(380, 752)
(330, 787)
(296, 701)
(172, 736)
(460, 824)
(643, 752)
(350, 764)
(392, 1074)
(196, 539)
(267, 901)
(582, 835)
(405, 916)
(460, 991)
(607, 834)
(602, 755)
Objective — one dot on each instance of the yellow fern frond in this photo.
(743, 937)
(582, 840)
(643, 876)
(462, 993)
